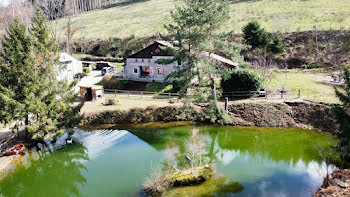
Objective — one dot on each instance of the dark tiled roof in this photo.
(150, 51)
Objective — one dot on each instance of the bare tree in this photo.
(327, 154)
(23, 11)
(52, 8)
(71, 28)
(195, 146)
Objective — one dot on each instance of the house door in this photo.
(88, 94)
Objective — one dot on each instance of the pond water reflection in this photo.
(248, 162)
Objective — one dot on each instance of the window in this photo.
(157, 50)
(142, 60)
(159, 71)
(135, 60)
(149, 61)
(135, 70)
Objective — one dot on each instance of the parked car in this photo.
(79, 76)
(107, 70)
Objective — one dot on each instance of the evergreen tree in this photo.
(194, 35)
(277, 45)
(44, 106)
(240, 80)
(15, 72)
(255, 36)
(342, 114)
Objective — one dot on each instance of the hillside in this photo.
(147, 17)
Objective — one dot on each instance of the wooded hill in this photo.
(302, 49)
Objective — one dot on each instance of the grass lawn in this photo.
(142, 19)
(307, 83)
(118, 67)
(159, 87)
(124, 104)
(150, 87)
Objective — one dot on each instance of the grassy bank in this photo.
(124, 104)
(307, 83)
(141, 18)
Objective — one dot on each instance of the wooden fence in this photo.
(131, 94)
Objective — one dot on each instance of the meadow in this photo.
(147, 17)
(305, 81)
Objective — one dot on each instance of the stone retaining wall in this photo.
(304, 115)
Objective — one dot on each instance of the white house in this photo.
(69, 67)
(142, 65)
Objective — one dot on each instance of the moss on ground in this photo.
(191, 177)
(186, 177)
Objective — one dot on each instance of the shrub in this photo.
(86, 70)
(178, 84)
(255, 36)
(277, 45)
(103, 48)
(240, 80)
(110, 81)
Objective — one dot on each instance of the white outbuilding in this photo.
(69, 67)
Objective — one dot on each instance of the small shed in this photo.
(69, 67)
(91, 92)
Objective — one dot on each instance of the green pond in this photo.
(115, 162)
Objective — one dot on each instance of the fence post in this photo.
(169, 95)
(226, 104)
(128, 93)
(141, 94)
(266, 94)
(155, 95)
(299, 93)
(115, 93)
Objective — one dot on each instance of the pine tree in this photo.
(277, 45)
(342, 114)
(255, 36)
(45, 102)
(195, 34)
(15, 73)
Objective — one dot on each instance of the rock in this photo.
(337, 185)
(265, 114)
(341, 183)
(190, 177)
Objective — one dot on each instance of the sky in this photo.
(4, 2)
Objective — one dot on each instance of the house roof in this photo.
(222, 59)
(151, 51)
(65, 57)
